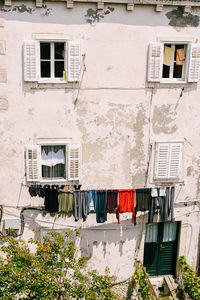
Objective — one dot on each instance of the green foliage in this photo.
(139, 278)
(53, 271)
(191, 281)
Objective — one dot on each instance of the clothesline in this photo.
(78, 202)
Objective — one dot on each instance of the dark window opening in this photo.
(51, 60)
(45, 69)
(53, 160)
(175, 70)
(59, 51)
(45, 52)
(59, 68)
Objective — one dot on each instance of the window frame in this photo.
(52, 59)
(38, 147)
(73, 61)
(168, 178)
(185, 65)
(155, 62)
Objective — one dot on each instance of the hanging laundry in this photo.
(126, 202)
(142, 199)
(32, 191)
(51, 200)
(65, 200)
(52, 158)
(168, 56)
(180, 57)
(92, 197)
(111, 204)
(80, 205)
(152, 208)
(101, 206)
(158, 196)
(166, 204)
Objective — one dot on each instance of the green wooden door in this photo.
(160, 248)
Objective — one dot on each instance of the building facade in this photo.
(92, 83)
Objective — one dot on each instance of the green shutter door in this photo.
(160, 248)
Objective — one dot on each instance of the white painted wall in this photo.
(110, 120)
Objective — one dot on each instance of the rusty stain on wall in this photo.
(162, 121)
(178, 18)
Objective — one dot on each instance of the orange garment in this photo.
(180, 57)
(126, 202)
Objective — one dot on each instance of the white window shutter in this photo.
(194, 63)
(33, 172)
(175, 160)
(74, 61)
(161, 160)
(74, 161)
(155, 62)
(31, 60)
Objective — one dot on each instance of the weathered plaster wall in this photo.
(115, 118)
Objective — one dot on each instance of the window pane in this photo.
(177, 71)
(45, 69)
(59, 51)
(178, 66)
(53, 161)
(151, 233)
(45, 51)
(165, 73)
(169, 233)
(59, 68)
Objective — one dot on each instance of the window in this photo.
(53, 162)
(174, 62)
(52, 64)
(174, 69)
(52, 61)
(168, 160)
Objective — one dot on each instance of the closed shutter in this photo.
(33, 163)
(31, 60)
(175, 160)
(74, 61)
(155, 62)
(74, 158)
(194, 63)
(161, 160)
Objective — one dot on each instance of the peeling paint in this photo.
(137, 152)
(162, 120)
(23, 8)
(189, 171)
(178, 18)
(94, 16)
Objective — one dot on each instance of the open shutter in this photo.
(155, 62)
(194, 63)
(74, 157)
(33, 163)
(175, 160)
(74, 61)
(31, 60)
(161, 160)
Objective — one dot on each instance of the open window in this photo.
(174, 62)
(53, 162)
(52, 61)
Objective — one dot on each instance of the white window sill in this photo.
(52, 81)
(172, 81)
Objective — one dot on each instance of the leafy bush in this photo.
(140, 279)
(191, 281)
(53, 271)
